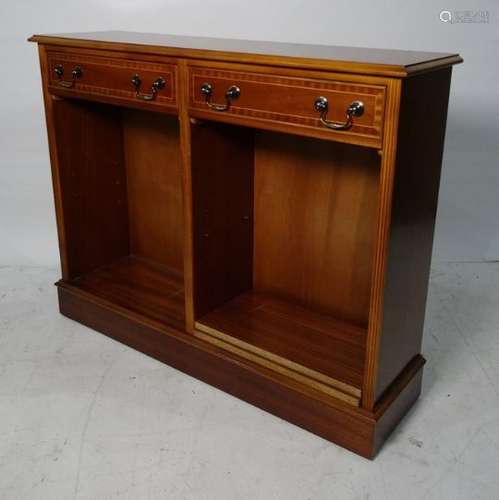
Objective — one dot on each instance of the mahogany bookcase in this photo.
(258, 215)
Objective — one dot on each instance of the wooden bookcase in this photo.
(257, 215)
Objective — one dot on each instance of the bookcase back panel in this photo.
(154, 185)
(314, 225)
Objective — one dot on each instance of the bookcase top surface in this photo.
(384, 62)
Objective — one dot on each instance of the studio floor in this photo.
(82, 416)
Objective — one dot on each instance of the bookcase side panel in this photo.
(420, 143)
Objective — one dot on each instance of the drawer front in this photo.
(110, 79)
(290, 103)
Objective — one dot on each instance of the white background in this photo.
(468, 216)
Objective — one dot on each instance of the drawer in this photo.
(290, 104)
(112, 80)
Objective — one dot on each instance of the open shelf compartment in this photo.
(121, 191)
(284, 231)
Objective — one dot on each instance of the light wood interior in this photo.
(283, 232)
(140, 286)
(154, 186)
(286, 275)
(315, 207)
(121, 185)
(297, 341)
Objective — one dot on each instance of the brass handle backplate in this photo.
(355, 109)
(156, 86)
(75, 74)
(232, 93)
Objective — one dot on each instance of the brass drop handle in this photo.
(156, 86)
(233, 92)
(75, 74)
(355, 109)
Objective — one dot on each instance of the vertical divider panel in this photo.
(185, 153)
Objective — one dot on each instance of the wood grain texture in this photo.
(154, 187)
(383, 217)
(222, 184)
(398, 63)
(290, 100)
(281, 332)
(52, 137)
(93, 184)
(397, 401)
(185, 155)
(315, 208)
(110, 78)
(341, 391)
(282, 122)
(350, 427)
(137, 285)
(420, 146)
(278, 260)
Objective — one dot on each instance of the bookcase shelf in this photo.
(139, 286)
(313, 347)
